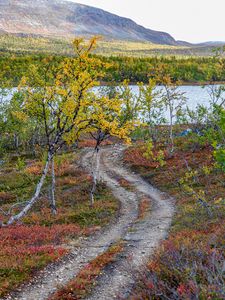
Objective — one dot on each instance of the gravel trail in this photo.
(141, 236)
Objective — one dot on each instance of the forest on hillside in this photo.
(117, 69)
(31, 44)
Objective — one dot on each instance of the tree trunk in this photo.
(98, 165)
(95, 174)
(53, 201)
(33, 145)
(36, 195)
(171, 135)
(16, 142)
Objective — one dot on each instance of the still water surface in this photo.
(195, 95)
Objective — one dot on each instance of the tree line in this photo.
(120, 68)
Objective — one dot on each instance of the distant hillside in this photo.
(11, 43)
(56, 18)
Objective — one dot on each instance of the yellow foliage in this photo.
(21, 116)
(59, 98)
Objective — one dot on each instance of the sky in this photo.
(190, 20)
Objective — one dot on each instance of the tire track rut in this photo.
(141, 236)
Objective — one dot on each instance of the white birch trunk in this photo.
(98, 165)
(35, 197)
(95, 172)
(53, 201)
(171, 132)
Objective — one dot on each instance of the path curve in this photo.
(141, 237)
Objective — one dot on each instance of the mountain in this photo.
(56, 18)
(212, 44)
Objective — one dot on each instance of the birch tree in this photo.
(57, 97)
(152, 108)
(107, 120)
(173, 100)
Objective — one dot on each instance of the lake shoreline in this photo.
(182, 83)
(132, 83)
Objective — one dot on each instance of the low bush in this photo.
(190, 263)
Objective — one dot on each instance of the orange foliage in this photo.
(144, 207)
(26, 248)
(34, 169)
(91, 143)
(81, 285)
(5, 196)
(188, 264)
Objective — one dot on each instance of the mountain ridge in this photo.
(61, 18)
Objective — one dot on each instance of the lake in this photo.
(195, 95)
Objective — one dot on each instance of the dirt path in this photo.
(141, 237)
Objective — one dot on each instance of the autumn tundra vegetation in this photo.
(50, 111)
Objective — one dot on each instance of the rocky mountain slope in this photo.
(56, 18)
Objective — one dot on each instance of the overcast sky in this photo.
(190, 20)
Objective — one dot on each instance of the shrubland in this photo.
(46, 199)
(41, 238)
(190, 168)
(42, 189)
